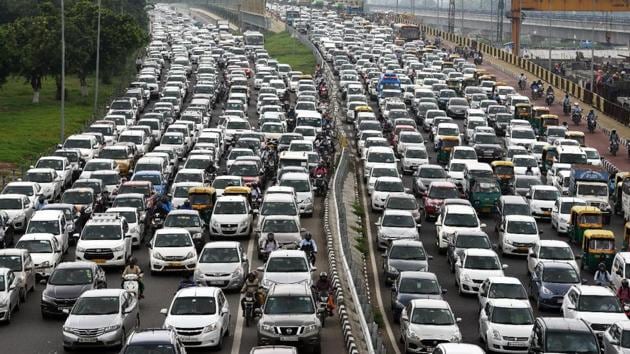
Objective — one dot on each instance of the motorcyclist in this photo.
(566, 101)
(550, 90)
(308, 245)
(186, 205)
(320, 170)
(251, 285)
(133, 268)
(623, 293)
(602, 276)
(256, 193)
(576, 109)
(591, 115)
(211, 169)
(529, 171)
(324, 286)
(522, 79)
(164, 206)
(41, 202)
(187, 281)
(271, 244)
(614, 137)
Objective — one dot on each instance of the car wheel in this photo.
(123, 339)
(22, 295)
(220, 343)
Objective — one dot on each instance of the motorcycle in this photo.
(478, 60)
(566, 108)
(550, 98)
(537, 93)
(323, 92)
(591, 124)
(614, 147)
(576, 117)
(158, 221)
(321, 185)
(131, 284)
(250, 310)
(522, 84)
(323, 309)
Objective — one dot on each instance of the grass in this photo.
(287, 50)
(29, 130)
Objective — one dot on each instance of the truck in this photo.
(591, 184)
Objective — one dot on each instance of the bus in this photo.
(253, 40)
(388, 81)
(406, 32)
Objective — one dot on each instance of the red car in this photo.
(433, 199)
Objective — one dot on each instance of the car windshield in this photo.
(465, 241)
(594, 303)
(182, 220)
(592, 155)
(448, 131)
(96, 306)
(235, 124)
(432, 173)
(416, 154)
(294, 305)
(299, 185)
(97, 166)
(155, 179)
(516, 209)
(35, 246)
(486, 139)
(407, 253)
(565, 208)
(389, 186)
(507, 291)
(194, 306)
(129, 202)
(432, 317)
(461, 220)
(419, 286)
(188, 177)
(278, 208)
(244, 170)
(443, 192)
(560, 275)
(109, 179)
(78, 144)
(523, 134)
(39, 177)
(13, 262)
(43, 226)
(181, 191)
(221, 183)
(581, 342)
(625, 339)
(600, 190)
(279, 226)
(219, 255)
(402, 203)
(95, 232)
(71, 276)
(13, 189)
(522, 227)
(172, 139)
(556, 253)
(381, 157)
(411, 138)
(77, 198)
(286, 265)
(482, 262)
(172, 240)
(512, 316)
(229, 207)
(524, 162)
(50, 163)
(526, 182)
(384, 172)
(579, 158)
(151, 348)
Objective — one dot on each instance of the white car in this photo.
(542, 199)
(455, 170)
(525, 165)
(179, 192)
(200, 315)
(286, 267)
(231, 216)
(378, 156)
(427, 322)
(474, 266)
(562, 181)
(382, 189)
(592, 156)
(554, 171)
(454, 218)
(522, 136)
(501, 288)
(505, 325)
(60, 164)
(407, 139)
(301, 183)
(285, 228)
(561, 212)
(396, 225)
(172, 249)
(380, 171)
(47, 178)
(31, 190)
(236, 153)
(223, 264)
(9, 294)
(550, 251)
(517, 234)
(98, 165)
(132, 217)
(220, 182)
(18, 208)
(45, 251)
(597, 306)
(412, 157)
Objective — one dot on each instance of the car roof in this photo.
(172, 230)
(510, 303)
(46, 214)
(504, 280)
(480, 252)
(290, 289)
(407, 243)
(567, 324)
(520, 218)
(103, 292)
(460, 209)
(222, 244)
(231, 198)
(594, 290)
(286, 253)
(553, 243)
(461, 348)
(417, 275)
(152, 336)
(430, 303)
(197, 291)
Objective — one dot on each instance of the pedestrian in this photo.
(138, 64)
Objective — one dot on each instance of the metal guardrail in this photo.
(247, 19)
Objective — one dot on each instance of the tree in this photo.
(6, 59)
(81, 23)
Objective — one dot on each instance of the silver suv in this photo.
(289, 316)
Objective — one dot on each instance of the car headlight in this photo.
(47, 298)
(243, 223)
(467, 278)
(308, 201)
(45, 264)
(80, 249)
(68, 329)
(111, 328)
(411, 334)
(210, 328)
(119, 248)
(157, 255)
(267, 283)
(546, 291)
(4, 302)
(237, 273)
(190, 255)
(313, 327)
(266, 328)
(198, 235)
(392, 270)
(496, 335)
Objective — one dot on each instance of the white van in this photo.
(50, 222)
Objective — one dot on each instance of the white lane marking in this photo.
(375, 275)
(238, 328)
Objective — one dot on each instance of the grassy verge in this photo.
(288, 50)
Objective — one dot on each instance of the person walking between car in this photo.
(623, 293)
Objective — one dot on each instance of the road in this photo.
(44, 336)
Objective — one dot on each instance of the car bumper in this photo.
(550, 302)
(4, 312)
(298, 341)
(54, 309)
(106, 340)
(543, 214)
(220, 232)
(514, 250)
(209, 339)
(221, 282)
(563, 226)
(503, 346)
(305, 208)
(470, 287)
(378, 204)
(158, 265)
(118, 260)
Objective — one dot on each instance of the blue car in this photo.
(412, 285)
(155, 177)
(550, 281)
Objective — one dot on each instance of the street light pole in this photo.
(549, 36)
(438, 14)
(63, 71)
(593, 54)
(98, 58)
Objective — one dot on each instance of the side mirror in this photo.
(260, 269)
(404, 318)
(384, 255)
(570, 307)
(128, 236)
(163, 311)
(578, 256)
(444, 291)
(458, 319)
(483, 226)
(313, 269)
(505, 266)
(430, 258)
(66, 311)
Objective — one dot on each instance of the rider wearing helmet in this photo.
(251, 285)
(623, 293)
(602, 276)
(308, 246)
(211, 169)
(323, 284)
(133, 268)
(186, 205)
(577, 109)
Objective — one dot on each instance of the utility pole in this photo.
(491, 17)
(549, 35)
(397, 6)
(63, 72)
(451, 16)
(98, 59)
(500, 21)
(462, 5)
(439, 22)
(593, 55)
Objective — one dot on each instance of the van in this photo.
(292, 158)
(301, 183)
(620, 269)
(51, 222)
(21, 263)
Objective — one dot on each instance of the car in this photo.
(220, 182)
(403, 201)
(620, 269)
(191, 222)
(223, 264)
(597, 306)
(525, 165)
(410, 285)
(463, 240)
(412, 157)
(561, 212)
(457, 348)
(9, 294)
(286, 266)
(301, 184)
(517, 234)
(273, 349)
(200, 316)
(396, 225)
(454, 218)
(49, 181)
(404, 255)
(45, 252)
(105, 241)
(383, 187)
(172, 249)
(425, 175)
(100, 318)
(562, 335)
(19, 261)
(615, 339)
(550, 251)
(61, 165)
(161, 340)
(285, 228)
(132, 217)
(432, 200)
(474, 266)
(378, 156)
(427, 322)
(231, 216)
(290, 316)
(542, 199)
(51, 222)
(501, 288)
(505, 325)
(523, 136)
(522, 184)
(18, 210)
(550, 281)
(377, 172)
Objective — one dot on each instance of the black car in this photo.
(67, 282)
(487, 147)
(153, 340)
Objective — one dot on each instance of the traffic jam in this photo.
(494, 226)
(184, 218)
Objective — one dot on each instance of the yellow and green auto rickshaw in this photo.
(538, 111)
(541, 122)
(598, 246)
(361, 109)
(454, 84)
(447, 64)
(549, 155)
(584, 218)
(484, 194)
(202, 199)
(504, 173)
(479, 73)
(626, 238)
(444, 152)
(577, 136)
(469, 81)
(523, 111)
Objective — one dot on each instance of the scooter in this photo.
(323, 310)
(321, 185)
(550, 98)
(591, 125)
(566, 108)
(576, 118)
(522, 84)
(131, 284)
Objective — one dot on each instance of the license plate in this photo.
(524, 249)
(216, 282)
(559, 301)
(99, 261)
(86, 340)
(546, 212)
(517, 344)
(175, 264)
(289, 339)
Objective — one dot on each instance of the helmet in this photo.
(252, 275)
(576, 104)
(325, 275)
(614, 131)
(270, 236)
(601, 266)
(624, 283)
(132, 260)
(307, 235)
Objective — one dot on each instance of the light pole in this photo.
(462, 5)
(549, 35)
(63, 71)
(438, 14)
(98, 58)
(593, 54)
